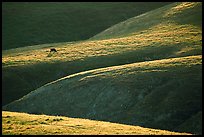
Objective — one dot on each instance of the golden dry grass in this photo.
(140, 67)
(164, 34)
(14, 123)
(180, 8)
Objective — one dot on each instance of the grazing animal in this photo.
(53, 50)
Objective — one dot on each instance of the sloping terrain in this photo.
(186, 13)
(148, 76)
(31, 23)
(159, 94)
(27, 124)
(28, 68)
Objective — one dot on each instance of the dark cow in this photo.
(53, 50)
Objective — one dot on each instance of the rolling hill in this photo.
(31, 23)
(149, 76)
(28, 68)
(158, 94)
(187, 13)
(29, 124)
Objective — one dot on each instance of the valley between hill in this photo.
(145, 71)
(160, 94)
(25, 69)
(31, 23)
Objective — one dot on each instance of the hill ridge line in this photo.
(106, 69)
(129, 19)
(115, 68)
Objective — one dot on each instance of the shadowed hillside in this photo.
(186, 13)
(145, 72)
(30, 23)
(158, 94)
(27, 124)
(28, 68)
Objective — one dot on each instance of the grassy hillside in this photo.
(193, 124)
(30, 23)
(186, 13)
(149, 77)
(26, 124)
(158, 94)
(23, 67)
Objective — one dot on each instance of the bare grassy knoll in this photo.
(160, 94)
(28, 68)
(31, 23)
(28, 124)
(147, 73)
(181, 13)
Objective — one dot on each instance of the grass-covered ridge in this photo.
(23, 67)
(158, 94)
(180, 13)
(146, 71)
(186, 37)
(28, 124)
(31, 23)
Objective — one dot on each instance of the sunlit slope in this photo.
(182, 13)
(181, 40)
(160, 94)
(30, 23)
(28, 124)
(25, 69)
